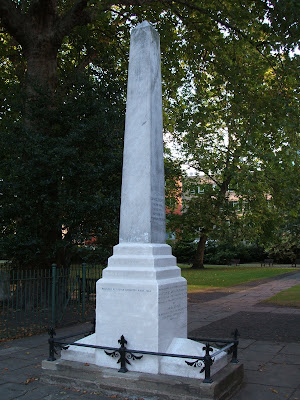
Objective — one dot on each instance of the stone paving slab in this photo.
(264, 392)
(296, 395)
(255, 325)
(244, 343)
(255, 356)
(281, 358)
(11, 390)
(274, 374)
(12, 364)
(292, 348)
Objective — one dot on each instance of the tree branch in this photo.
(37, 5)
(87, 60)
(13, 20)
(214, 18)
(76, 16)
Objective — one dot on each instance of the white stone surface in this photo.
(178, 366)
(143, 192)
(141, 294)
(82, 354)
(143, 297)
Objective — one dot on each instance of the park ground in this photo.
(269, 342)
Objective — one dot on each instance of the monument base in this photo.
(183, 367)
(143, 297)
(227, 382)
(179, 367)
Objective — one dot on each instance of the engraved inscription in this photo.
(172, 301)
(158, 209)
(116, 289)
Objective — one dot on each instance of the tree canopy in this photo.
(230, 91)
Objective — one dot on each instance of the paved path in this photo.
(272, 367)
(243, 298)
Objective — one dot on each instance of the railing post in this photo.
(53, 305)
(83, 290)
(122, 351)
(51, 345)
(234, 359)
(207, 364)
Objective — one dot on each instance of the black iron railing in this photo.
(32, 300)
(126, 355)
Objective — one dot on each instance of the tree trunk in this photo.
(41, 69)
(199, 256)
(40, 29)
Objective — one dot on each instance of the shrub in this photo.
(184, 250)
(218, 253)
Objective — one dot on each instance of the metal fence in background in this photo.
(31, 301)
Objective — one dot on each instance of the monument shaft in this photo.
(143, 194)
(142, 294)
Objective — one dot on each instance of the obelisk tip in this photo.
(143, 24)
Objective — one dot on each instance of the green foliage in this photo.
(223, 253)
(218, 253)
(184, 250)
(285, 248)
(236, 119)
(172, 182)
(286, 298)
(230, 89)
(64, 172)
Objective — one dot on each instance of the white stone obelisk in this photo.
(143, 186)
(142, 294)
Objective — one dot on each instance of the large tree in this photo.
(48, 45)
(61, 138)
(236, 120)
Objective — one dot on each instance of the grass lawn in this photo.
(287, 298)
(220, 276)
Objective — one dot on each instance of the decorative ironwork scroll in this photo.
(123, 354)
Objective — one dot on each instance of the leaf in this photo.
(274, 391)
(30, 380)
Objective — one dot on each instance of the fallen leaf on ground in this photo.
(273, 390)
(30, 380)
